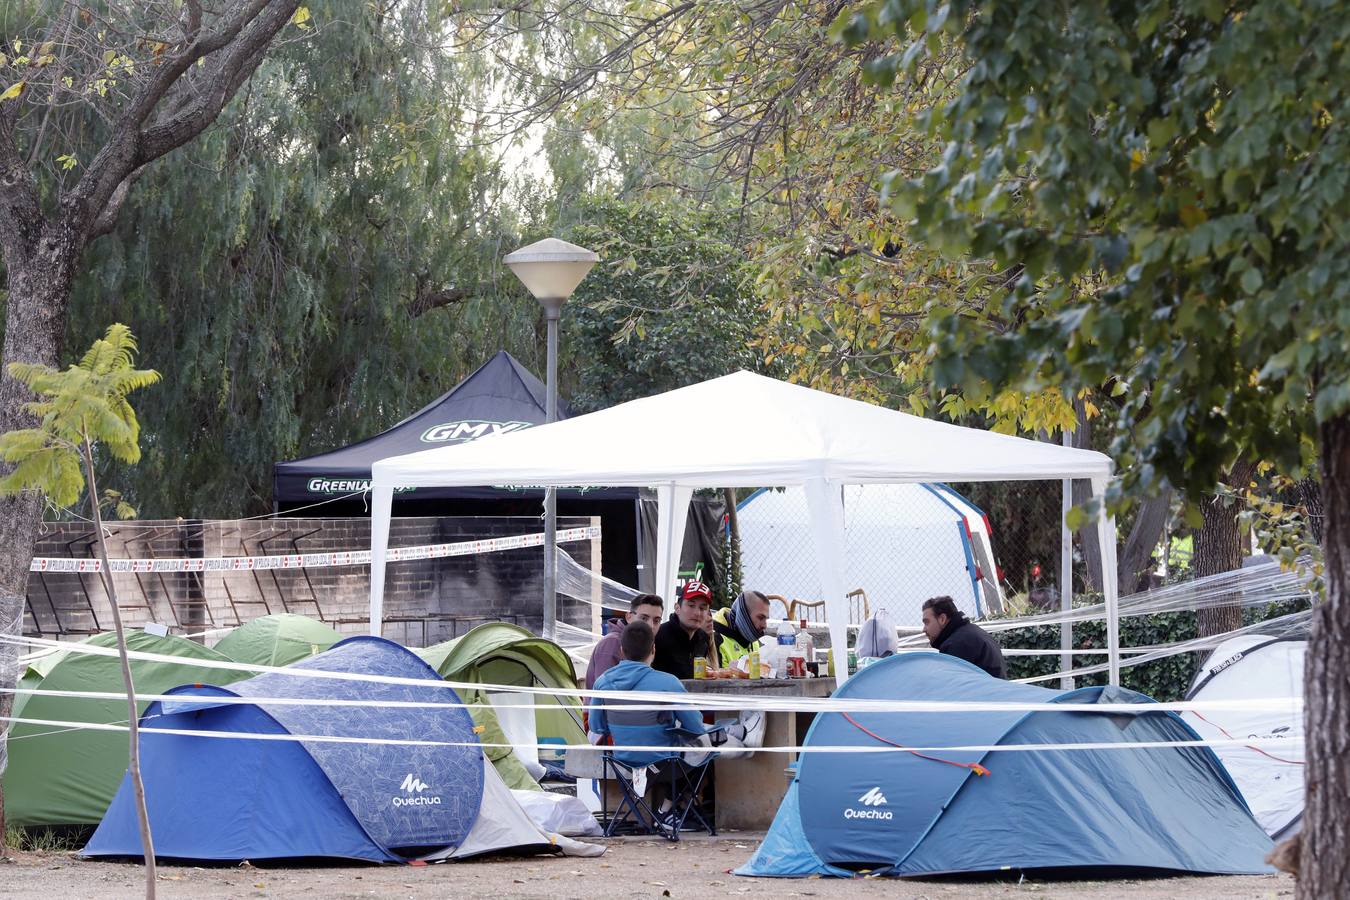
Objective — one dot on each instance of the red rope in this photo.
(974, 767)
(1292, 762)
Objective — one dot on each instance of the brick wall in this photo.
(425, 600)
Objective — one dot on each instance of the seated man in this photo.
(740, 626)
(671, 728)
(643, 727)
(949, 631)
(681, 637)
(607, 653)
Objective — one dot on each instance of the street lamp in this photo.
(551, 269)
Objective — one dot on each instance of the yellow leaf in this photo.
(301, 17)
(14, 90)
(1192, 215)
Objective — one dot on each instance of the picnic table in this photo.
(750, 790)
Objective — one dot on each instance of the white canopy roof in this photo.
(741, 430)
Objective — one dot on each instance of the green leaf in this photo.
(1251, 280)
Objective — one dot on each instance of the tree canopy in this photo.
(1168, 179)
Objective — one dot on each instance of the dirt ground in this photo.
(696, 867)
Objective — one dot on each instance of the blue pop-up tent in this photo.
(903, 813)
(310, 784)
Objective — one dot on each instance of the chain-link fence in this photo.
(991, 547)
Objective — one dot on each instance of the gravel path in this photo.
(695, 868)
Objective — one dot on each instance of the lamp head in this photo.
(551, 269)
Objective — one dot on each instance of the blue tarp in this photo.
(217, 798)
(1171, 808)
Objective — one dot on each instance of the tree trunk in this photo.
(1218, 548)
(1137, 558)
(35, 314)
(1089, 544)
(733, 565)
(133, 715)
(1324, 858)
(1310, 495)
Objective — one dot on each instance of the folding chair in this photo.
(682, 780)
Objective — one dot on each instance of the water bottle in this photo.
(787, 645)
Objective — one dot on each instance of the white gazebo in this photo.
(756, 432)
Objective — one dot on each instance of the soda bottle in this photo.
(753, 664)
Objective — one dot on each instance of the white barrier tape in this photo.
(704, 701)
(664, 700)
(681, 748)
(697, 702)
(306, 560)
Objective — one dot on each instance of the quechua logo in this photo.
(414, 786)
(872, 799)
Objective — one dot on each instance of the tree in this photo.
(749, 107)
(95, 94)
(669, 305)
(339, 268)
(84, 406)
(1171, 178)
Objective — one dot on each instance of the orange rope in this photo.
(1292, 762)
(974, 767)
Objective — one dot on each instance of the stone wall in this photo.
(425, 600)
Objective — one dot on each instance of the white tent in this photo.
(778, 435)
(903, 543)
(1256, 666)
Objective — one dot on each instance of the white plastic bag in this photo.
(876, 637)
(559, 813)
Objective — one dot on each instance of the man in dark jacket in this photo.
(607, 653)
(949, 631)
(683, 637)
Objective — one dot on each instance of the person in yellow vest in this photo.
(740, 625)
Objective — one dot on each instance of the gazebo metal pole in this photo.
(1066, 577)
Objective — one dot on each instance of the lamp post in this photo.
(551, 269)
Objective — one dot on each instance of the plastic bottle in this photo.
(753, 665)
(787, 644)
(805, 644)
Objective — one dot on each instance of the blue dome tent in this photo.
(903, 813)
(303, 788)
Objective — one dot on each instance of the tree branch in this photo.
(107, 219)
(243, 37)
(240, 60)
(427, 299)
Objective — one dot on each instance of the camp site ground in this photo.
(633, 867)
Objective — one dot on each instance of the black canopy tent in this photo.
(500, 396)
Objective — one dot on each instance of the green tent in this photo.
(67, 776)
(499, 653)
(277, 640)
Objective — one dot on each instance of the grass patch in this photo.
(44, 840)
